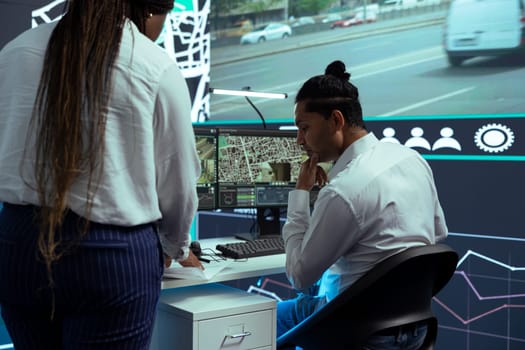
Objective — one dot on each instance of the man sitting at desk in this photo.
(380, 199)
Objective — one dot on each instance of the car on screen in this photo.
(483, 28)
(355, 19)
(270, 31)
(343, 22)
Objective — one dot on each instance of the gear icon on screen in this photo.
(494, 138)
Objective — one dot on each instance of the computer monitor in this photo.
(206, 144)
(257, 168)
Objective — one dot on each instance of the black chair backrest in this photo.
(397, 291)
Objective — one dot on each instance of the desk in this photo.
(246, 268)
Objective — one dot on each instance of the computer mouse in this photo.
(195, 247)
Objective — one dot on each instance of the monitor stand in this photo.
(268, 223)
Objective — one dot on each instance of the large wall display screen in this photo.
(398, 60)
(479, 169)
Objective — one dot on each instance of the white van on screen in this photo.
(483, 28)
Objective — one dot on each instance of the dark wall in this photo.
(15, 16)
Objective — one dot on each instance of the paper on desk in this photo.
(194, 273)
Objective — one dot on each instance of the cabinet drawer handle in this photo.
(240, 335)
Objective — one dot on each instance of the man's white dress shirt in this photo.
(380, 199)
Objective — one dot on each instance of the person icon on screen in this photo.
(446, 140)
(389, 134)
(417, 139)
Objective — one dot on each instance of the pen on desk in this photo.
(204, 259)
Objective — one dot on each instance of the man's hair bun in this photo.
(338, 70)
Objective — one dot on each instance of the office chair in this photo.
(396, 292)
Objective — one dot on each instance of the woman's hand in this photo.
(167, 261)
(192, 261)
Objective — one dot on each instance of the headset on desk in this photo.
(205, 255)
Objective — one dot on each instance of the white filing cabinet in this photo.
(214, 316)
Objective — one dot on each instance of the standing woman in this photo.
(98, 169)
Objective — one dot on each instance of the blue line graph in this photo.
(494, 261)
(499, 238)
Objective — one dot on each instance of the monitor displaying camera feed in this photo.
(206, 143)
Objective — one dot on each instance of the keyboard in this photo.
(250, 249)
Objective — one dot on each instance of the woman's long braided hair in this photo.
(70, 110)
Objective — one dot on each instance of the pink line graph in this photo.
(491, 297)
(472, 319)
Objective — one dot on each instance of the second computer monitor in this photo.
(206, 144)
